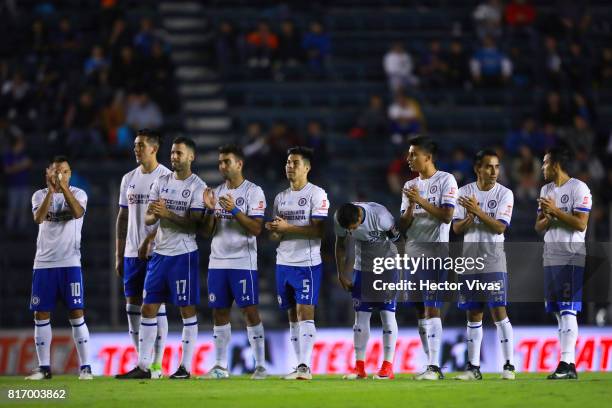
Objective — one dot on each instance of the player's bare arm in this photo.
(75, 207)
(444, 214)
(577, 220)
(121, 227)
(158, 211)
(41, 212)
(316, 229)
(471, 206)
(460, 226)
(340, 251)
(408, 216)
(209, 222)
(144, 251)
(253, 225)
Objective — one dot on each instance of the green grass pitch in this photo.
(528, 390)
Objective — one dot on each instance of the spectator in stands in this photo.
(290, 53)
(490, 67)
(83, 122)
(488, 18)
(580, 136)
(522, 66)
(96, 62)
(142, 112)
(550, 136)
(67, 44)
(577, 66)
(17, 99)
(399, 68)
(159, 70)
(527, 135)
(581, 106)
(398, 173)
(433, 67)
(575, 18)
(406, 118)
(371, 123)
(227, 46)
(553, 111)
(113, 118)
(17, 165)
(262, 45)
(317, 46)
(460, 166)
(519, 14)
(526, 174)
(604, 68)
(315, 139)
(457, 74)
(255, 144)
(281, 138)
(119, 37)
(550, 63)
(126, 71)
(38, 45)
(144, 39)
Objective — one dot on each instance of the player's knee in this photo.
(187, 312)
(499, 313)
(149, 311)
(251, 315)
(474, 315)
(292, 314)
(221, 317)
(432, 312)
(42, 315)
(76, 314)
(134, 300)
(305, 312)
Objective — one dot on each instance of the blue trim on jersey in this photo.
(568, 312)
(197, 209)
(448, 205)
(504, 222)
(582, 209)
(256, 216)
(123, 206)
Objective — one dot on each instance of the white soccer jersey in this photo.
(298, 208)
(374, 237)
(563, 245)
(497, 203)
(232, 246)
(181, 197)
(134, 195)
(441, 191)
(59, 236)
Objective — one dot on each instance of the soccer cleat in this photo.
(156, 371)
(40, 373)
(303, 372)
(563, 372)
(180, 374)
(508, 373)
(217, 373)
(292, 375)
(358, 373)
(260, 373)
(137, 373)
(85, 373)
(432, 373)
(471, 372)
(385, 372)
(573, 372)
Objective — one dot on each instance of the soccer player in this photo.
(372, 227)
(298, 223)
(428, 203)
(235, 219)
(175, 201)
(563, 215)
(483, 214)
(58, 210)
(134, 240)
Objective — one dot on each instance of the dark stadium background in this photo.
(206, 79)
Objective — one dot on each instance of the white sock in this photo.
(294, 338)
(474, 341)
(558, 317)
(162, 334)
(133, 316)
(506, 338)
(361, 334)
(422, 327)
(80, 334)
(569, 336)
(222, 336)
(42, 339)
(308, 333)
(389, 326)
(258, 343)
(146, 340)
(434, 339)
(190, 336)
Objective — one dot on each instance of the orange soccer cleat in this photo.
(385, 372)
(359, 373)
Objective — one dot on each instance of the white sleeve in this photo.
(123, 202)
(197, 198)
(256, 203)
(81, 197)
(504, 208)
(387, 224)
(338, 230)
(449, 192)
(275, 206)
(582, 199)
(459, 212)
(319, 204)
(37, 199)
(154, 192)
(405, 201)
(542, 195)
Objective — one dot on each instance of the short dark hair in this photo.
(232, 148)
(59, 159)
(426, 143)
(562, 155)
(481, 154)
(347, 214)
(306, 152)
(153, 136)
(186, 141)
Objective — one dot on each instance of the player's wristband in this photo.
(235, 211)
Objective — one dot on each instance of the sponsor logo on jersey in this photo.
(261, 204)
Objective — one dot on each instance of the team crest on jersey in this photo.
(302, 202)
(433, 190)
(492, 204)
(240, 201)
(186, 193)
(279, 299)
(35, 300)
(356, 302)
(212, 297)
(564, 198)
